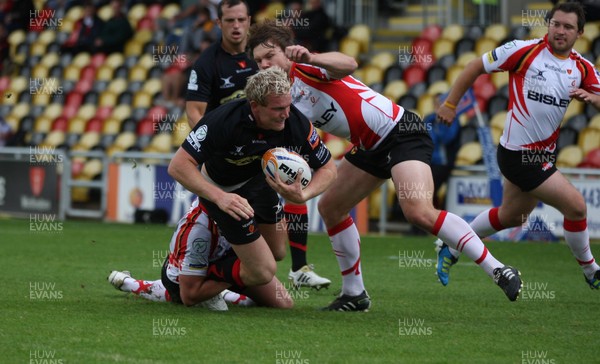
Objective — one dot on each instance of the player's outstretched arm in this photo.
(338, 65)
(446, 113)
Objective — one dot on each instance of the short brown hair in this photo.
(270, 32)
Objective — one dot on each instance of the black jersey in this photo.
(231, 146)
(217, 76)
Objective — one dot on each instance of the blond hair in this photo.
(271, 81)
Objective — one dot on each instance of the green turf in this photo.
(57, 305)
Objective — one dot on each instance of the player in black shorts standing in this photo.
(218, 76)
(229, 143)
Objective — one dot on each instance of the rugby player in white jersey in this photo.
(544, 76)
(389, 142)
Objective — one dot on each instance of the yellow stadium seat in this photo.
(538, 32)
(49, 35)
(441, 47)
(161, 143)
(574, 108)
(569, 157)
(372, 75)
(152, 86)
(484, 45)
(117, 86)
(107, 98)
(361, 33)
(121, 112)
(53, 110)
(498, 120)
(77, 125)
(142, 99)
(71, 73)
(37, 49)
(594, 122)
(82, 59)
(438, 87)
(92, 168)
(497, 32)
(466, 57)
(105, 12)
(582, 45)
(169, 11)
(383, 60)
(104, 73)
(16, 37)
(41, 99)
(114, 60)
(143, 36)
(20, 110)
(137, 12)
(39, 71)
(125, 140)
(395, 89)
(592, 30)
(86, 111)
(13, 122)
(9, 97)
(74, 13)
(426, 104)
(19, 84)
(452, 73)
(67, 26)
(146, 61)
(42, 124)
(496, 134)
(89, 140)
(499, 79)
(50, 59)
(588, 139)
(350, 47)
(453, 32)
(138, 73)
(55, 138)
(469, 154)
(111, 126)
(133, 48)
(181, 129)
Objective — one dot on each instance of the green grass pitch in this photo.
(57, 306)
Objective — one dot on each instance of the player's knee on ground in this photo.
(254, 276)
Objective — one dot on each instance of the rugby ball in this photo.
(286, 163)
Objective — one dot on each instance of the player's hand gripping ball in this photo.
(286, 164)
